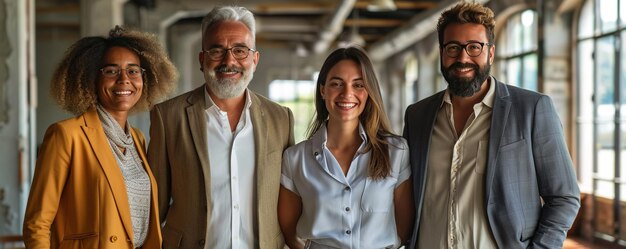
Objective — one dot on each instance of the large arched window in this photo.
(516, 51)
(601, 113)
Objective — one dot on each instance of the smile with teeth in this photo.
(345, 105)
(125, 93)
(464, 70)
(229, 73)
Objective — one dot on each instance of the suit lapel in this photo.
(100, 145)
(421, 122)
(424, 133)
(197, 123)
(423, 137)
(257, 115)
(267, 173)
(499, 117)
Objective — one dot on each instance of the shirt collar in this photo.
(488, 99)
(321, 136)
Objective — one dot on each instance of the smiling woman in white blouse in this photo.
(348, 185)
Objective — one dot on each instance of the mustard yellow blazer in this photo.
(78, 197)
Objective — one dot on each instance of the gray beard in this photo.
(227, 88)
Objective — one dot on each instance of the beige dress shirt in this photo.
(454, 213)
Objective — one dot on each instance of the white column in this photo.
(16, 111)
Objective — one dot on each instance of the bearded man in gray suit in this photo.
(216, 151)
(490, 165)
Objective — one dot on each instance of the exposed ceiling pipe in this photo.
(334, 26)
(416, 29)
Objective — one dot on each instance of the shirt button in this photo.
(201, 242)
(236, 206)
(347, 209)
(348, 232)
(113, 239)
(347, 189)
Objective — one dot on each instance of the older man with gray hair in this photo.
(216, 151)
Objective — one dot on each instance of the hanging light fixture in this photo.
(351, 37)
(381, 5)
(301, 51)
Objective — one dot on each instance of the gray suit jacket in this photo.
(178, 156)
(528, 163)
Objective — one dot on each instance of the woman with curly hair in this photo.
(92, 186)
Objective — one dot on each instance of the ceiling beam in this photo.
(65, 8)
(333, 26)
(273, 24)
(294, 8)
(400, 4)
(413, 31)
(287, 36)
(378, 23)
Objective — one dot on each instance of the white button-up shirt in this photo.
(233, 218)
(344, 211)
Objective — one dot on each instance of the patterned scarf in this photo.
(135, 177)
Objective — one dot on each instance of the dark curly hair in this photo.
(75, 80)
(467, 12)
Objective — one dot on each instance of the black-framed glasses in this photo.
(473, 49)
(133, 72)
(239, 52)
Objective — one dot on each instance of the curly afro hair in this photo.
(75, 80)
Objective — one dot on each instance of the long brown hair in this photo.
(374, 119)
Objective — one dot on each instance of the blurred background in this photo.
(572, 50)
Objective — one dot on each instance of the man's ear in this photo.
(255, 59)
(201, 60)
(492, 54)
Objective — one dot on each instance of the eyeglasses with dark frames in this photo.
(238, 52)
(473, 49)
(133, 72)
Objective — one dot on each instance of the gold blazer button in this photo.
(113, 239)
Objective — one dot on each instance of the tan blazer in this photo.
(78, 197)
(178, 155)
